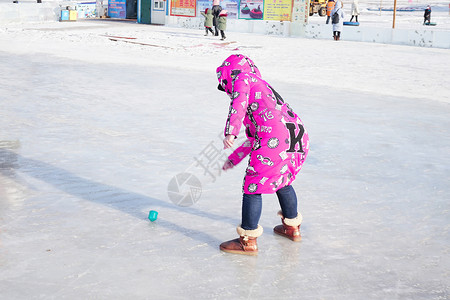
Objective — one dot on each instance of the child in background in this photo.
(222, 23)
(208, 21)
(277, 144)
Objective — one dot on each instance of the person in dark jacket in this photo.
(216, 9)
(427, 16)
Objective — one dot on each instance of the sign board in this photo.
(277, 10)
(300, 11)
(87, 10)
(251, 9)
(117, 9)
(183, 8)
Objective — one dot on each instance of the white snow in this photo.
(93, 130)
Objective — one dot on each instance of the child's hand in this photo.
(228, 141)
(227, 165)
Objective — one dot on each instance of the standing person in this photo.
(427, 16)
(277, 144)
(208, 20)
(355, 10)
(337, 18)
(222, 23)
(330, 6)
(216, 9)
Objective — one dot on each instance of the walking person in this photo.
(355, 10)
(208, 20)
(330, 6)
(222, 23)
(427, 16)
(277, 144)
(337, 19)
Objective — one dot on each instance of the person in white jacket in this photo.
(337, 24)
(355, 10)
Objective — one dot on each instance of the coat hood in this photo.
(231, 67)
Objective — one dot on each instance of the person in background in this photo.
(222, 23)
(216, 9)
(355, 10)
(330, 6)
(337, 18)
(208, 20)
(427, 16)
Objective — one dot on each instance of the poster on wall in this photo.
(183, 8)
(251, 9)
(202, 5)
(117, 9)
(300, 11)
(278, 10)
(87, 10)
(231, 6)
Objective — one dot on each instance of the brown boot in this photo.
(245, 244)
(290, 227)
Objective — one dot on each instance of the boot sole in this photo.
(295, 239)
(253, 253)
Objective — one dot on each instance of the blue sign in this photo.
(117, 9)
(64, 15)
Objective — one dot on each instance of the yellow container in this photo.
(73, 15)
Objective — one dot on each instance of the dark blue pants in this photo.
(252, 206)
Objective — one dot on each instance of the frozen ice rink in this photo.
(93, 128)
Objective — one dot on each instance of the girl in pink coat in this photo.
(277, 144)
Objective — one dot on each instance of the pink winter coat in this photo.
(276, 138)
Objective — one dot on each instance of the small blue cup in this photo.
(153, 215)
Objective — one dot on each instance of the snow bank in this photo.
(407, 36)
(412, 37)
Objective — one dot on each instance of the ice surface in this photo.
(92, 131)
